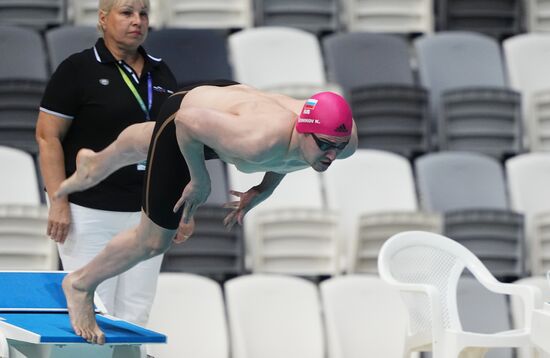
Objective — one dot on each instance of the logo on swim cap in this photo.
(310, 104)
(325, 113)
(341, 128)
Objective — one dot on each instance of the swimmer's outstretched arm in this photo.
(251, 198)
(198, 189)
(231, 135)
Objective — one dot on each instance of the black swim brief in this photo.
(167, 172)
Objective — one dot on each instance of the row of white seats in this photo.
(357, 15)
(273, 316)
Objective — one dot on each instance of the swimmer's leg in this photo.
(130, 147)
(124, 251)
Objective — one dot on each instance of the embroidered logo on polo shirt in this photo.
(104, 81)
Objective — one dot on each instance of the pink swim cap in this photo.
(326, 113)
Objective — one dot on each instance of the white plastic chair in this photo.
(268, 57)
(528, 177)
(517, 309)
(208, 13)
(426, 268)
(364, 317)
(272, 316)
(24, 244)
(408, 16)
(527, 58)
(18, 182)
(189, 309)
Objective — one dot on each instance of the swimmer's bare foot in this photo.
(81, 312)
(184, 231)
(87, 174)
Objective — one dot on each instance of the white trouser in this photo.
(128, 296)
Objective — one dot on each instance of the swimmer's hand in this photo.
(240, 207)
(184, 231)
(193, 195)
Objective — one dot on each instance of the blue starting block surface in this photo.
(32, 291)
(56, 328)
(33, 309)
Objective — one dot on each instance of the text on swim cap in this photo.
(308, 120)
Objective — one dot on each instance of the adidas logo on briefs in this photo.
(341, 128)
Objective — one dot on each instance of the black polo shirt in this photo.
(88, 89)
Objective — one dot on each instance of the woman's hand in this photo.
(59, 220)
(194, 195)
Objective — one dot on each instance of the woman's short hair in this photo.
(107, 5)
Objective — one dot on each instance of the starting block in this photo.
(34, 322)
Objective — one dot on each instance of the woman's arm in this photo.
(50, 130)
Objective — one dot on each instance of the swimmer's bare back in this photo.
(240, 100)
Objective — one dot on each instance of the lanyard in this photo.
(134, 91)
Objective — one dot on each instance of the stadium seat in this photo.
(273, 316)
(255, 56)
(498, 19)
(190, 310)
(23, 76)
(470, 190)
(33, 14)
(291, 232)
(317, 17)
(528, 176)
(537, 18)
(364, 317)
(374, 193)
(497, 237)
(528, 61)
(18, 182)
(193, 55)
(24, 244)
(65, 40)
(406, 17)
(390, 110)
(471, 98)
(210, 14)
(85, 12)
(460, 180)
